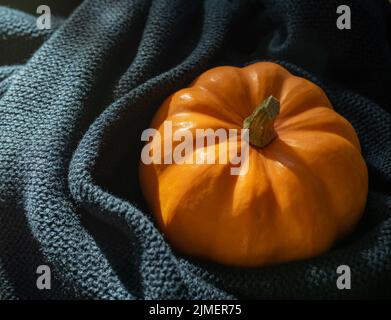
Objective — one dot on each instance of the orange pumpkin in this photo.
(306, 184)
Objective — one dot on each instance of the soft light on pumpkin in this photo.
(307, 182)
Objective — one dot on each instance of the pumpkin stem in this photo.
(261, 122)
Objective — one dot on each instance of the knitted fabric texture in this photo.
(73, 103)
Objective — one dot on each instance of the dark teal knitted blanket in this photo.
(73, 103)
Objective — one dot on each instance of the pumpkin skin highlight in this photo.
(303, 191)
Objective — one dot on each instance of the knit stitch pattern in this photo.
(73, 103)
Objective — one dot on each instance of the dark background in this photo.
(74, 100)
